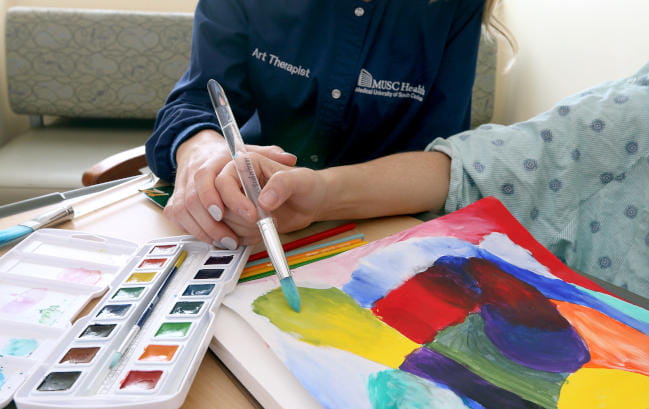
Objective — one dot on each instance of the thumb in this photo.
(277, 190)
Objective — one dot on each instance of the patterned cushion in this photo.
(94, 63)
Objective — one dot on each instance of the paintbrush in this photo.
(252, 188)
(121, 350)
(70, 209)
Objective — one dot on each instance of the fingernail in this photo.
(215, 212)
(289, 154)
(268, 198)
(229, 243)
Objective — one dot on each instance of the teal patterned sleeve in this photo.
(577, 176)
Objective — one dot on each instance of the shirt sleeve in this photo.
(546, 169)
(219, 51)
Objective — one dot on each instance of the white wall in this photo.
(567, 46)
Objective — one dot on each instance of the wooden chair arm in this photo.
(117, 166)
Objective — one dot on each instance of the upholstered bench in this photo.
(91, 82)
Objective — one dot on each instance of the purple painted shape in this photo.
(559, 350)
(436, 367)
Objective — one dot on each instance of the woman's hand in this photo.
(292, 194)
(196, 205)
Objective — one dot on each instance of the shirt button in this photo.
(314, 158)
(359, 11)
(335, 93)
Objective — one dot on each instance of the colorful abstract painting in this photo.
(465, 311)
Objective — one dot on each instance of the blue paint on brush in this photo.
(290, 293)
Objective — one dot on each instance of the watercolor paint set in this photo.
(140, 343)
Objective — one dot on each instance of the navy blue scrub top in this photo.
(331, 81)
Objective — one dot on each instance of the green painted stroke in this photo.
(467, 344)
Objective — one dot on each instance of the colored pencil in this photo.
(308, 248)
(271, 272)
(308, 239)
(296, 262)
(310, 253)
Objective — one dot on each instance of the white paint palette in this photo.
(47, 280)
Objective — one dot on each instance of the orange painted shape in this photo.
(611, 343)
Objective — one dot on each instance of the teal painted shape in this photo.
(395, 389)
(19, 347)
(629, 309)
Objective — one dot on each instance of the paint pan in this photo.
(152, 263)
(59, 381)
(209, 274)
(141, 278)
(113, 311)
(140, 381)
(198, 290)
(158, 353)
(186, 308)
(97, 331)
(128, 293)
(220, 259)
(79, 355)
(163, 250)
(173, 329)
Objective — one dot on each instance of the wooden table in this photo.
(138, 220)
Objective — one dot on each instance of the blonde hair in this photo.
(494, 27)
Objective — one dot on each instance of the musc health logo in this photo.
(366, 84)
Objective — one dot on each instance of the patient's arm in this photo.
(402, 183)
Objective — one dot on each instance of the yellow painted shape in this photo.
(140, 277)
(597, 388)
(329, 317)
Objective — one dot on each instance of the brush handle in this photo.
(14, 233)
(50, 218)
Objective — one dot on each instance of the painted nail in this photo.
(228, 243)
(215, 212)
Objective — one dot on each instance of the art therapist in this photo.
(313, 82)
